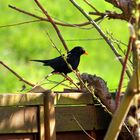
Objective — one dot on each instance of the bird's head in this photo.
(78, 50)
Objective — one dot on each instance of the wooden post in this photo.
(47, 118)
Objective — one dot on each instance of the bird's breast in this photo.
(74, 61)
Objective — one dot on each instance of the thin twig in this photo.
(66, 77)
(82, 128)
(118, 42)
(131, 41)
(128, 130)
(76, 73)
(88, 3)
(39, 83)
(58, 33)
(59, 83)
(17, 75)
(115, 40)
(64, 24)
(20, 23)
(53, 43)
(55, 82)
(129, 65)
(45, 19)
(85, 39)
(110, 15)
(53, 24)
(70, 80)
(100, 31)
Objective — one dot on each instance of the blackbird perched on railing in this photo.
(60, 64)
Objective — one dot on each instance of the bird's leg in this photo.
(54, 72)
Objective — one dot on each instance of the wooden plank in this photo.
(18, 137)
(66, 104)
(30, 99)
(85, 115)
(47, 118)
(41, 123)
(90, 117)
(21, 99)
(80, 135)
(24, 119)
(76, 98)
(18, 120)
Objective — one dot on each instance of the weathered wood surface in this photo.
(18, 119)
(30, 99)
(65, 121)
(75, 135)
(47, 125)
(67, 105)
(21, 99)
(18, 137)
(73, 98)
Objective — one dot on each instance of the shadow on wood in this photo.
(41, 115)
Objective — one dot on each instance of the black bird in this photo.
(59, 64)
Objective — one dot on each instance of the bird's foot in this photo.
(55, 72)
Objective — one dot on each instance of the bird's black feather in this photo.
(59, 64)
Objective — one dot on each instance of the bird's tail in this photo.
(42, 61)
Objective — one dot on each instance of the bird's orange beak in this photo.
(85, 53)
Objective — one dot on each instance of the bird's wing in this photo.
(57, 63)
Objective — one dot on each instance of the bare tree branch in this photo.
(53, 24)
(45, 19)
(20, 23)
(133, 88)
(17, 75)
(131, 41)
(101, 32)
(88, 3)
(109, 15)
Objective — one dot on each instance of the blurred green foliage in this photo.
(21, 43)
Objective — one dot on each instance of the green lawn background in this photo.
(21, 43)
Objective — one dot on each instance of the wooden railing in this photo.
(47, 116)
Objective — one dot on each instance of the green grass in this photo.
(19, 44)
